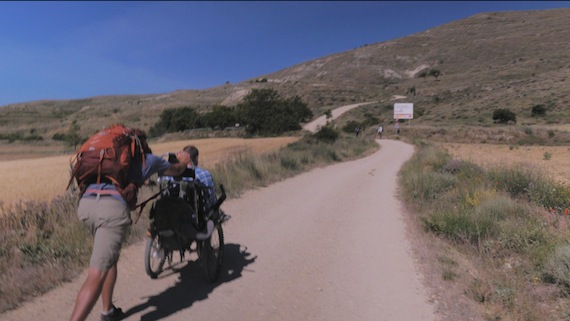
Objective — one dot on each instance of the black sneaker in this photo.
(115, 315)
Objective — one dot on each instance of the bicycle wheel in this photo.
(154, 257)
(211, 254)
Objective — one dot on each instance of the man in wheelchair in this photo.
(205, 178)
(196, 187)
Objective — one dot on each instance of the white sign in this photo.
(403, 111)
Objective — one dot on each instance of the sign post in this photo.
(403, 110)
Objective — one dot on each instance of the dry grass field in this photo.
(10, 151)
(43, 178)
(553, 161)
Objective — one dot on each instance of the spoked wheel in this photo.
(211, 253)
(154, 257)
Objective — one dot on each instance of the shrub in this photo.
(557, 265)
(524, 236)
(461, 226)
(547, 155)
(326, 134)
(350, 126)
(550, 195)
(462, 168)
(289, 163)
(538, 111)
(504, 116)
(73, 137)
(429, 186)
(514, 180)
(58, 136)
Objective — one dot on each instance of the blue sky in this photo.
(71, 50)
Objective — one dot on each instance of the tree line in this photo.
(262, 112)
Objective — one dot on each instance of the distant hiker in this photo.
(397, 126)
(380, 131)
(357, 130)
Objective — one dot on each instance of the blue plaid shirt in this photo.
(204, 177)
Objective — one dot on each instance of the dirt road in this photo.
(326, 245)
(322, 120)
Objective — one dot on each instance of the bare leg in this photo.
(108, 287)
(88, 294)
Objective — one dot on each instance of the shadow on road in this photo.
(192, 285)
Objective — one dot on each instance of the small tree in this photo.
(264, 111)
(504, 115)
(73, 138)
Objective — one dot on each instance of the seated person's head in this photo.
(193, 152)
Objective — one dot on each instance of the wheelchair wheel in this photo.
(154, 257)
(211, 253)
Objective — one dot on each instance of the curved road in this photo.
(329, 244)
(314, 125)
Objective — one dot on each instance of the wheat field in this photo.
(553, 161)
(43, 178)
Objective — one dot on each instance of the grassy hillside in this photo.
(513, 60)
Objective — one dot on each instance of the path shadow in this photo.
(192, 285)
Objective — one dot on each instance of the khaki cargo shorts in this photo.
(108, 219)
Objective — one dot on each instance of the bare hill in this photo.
(512, 60)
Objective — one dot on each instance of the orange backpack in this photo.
(107, 157)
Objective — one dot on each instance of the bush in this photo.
(514, 180)
(429, 186)
(326, 134)
(350, 126)
(557, 266)
(58, 136)
(532, 186)
(538, 111)
(462, 168)
(503, 116)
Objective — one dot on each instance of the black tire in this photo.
(154, 257)
(211, 254)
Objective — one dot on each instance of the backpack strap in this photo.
(101, 154)
(143, 204)
(73, 170)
